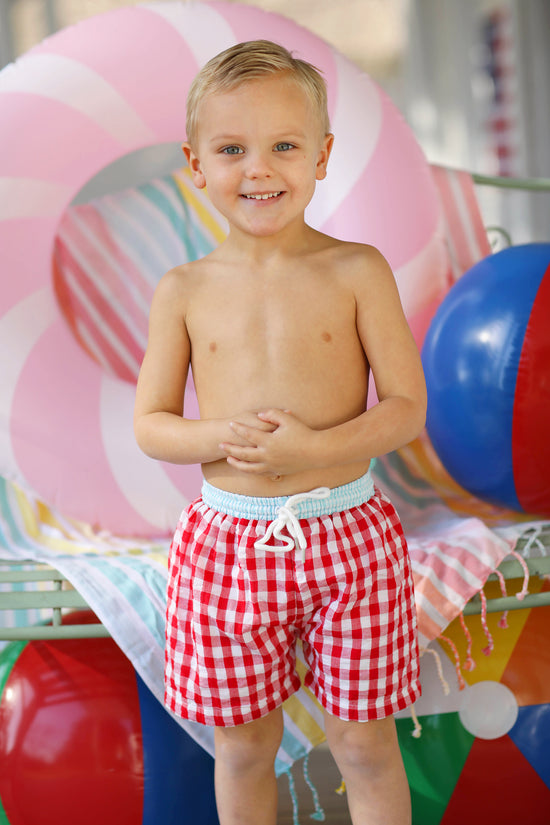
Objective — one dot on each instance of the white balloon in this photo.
(488, 710)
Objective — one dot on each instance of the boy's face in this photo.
(260, 150)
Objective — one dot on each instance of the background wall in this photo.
(472, 78)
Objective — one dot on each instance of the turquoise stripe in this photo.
(186, 223)
(305, 505)
(17, 537)
(293, 748)
(179, 219)
(409, 478)
(398, 491)
(202, 239)
(137, 595)
(133, 226)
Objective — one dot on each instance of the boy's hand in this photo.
(281, 450)
(249, 421)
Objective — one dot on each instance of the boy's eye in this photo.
(283, 147)
(232, 150)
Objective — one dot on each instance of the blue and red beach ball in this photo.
(487, 363)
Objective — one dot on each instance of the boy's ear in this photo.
(323, 156)
(194, 165)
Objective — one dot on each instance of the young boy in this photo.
(281, 326)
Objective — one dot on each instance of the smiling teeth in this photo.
(263, 197)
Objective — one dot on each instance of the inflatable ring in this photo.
(82, 99)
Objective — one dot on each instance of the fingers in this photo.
(249, 454)
(248, 466)
(250, 434)
(246, 459)
(274, 416)
(255, 448)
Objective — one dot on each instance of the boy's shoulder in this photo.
(179, 279)
(355, 260)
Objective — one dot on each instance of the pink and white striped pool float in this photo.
(94, 93)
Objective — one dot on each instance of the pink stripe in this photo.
(118, 279)
(78, 225)
(72, 235)
(79, 311)
(462, 257)
(476, 216)
(452, 583)
(151, 66)
(26, 246)
(452, 580)
(50, 141)
(462, 231)
(97, 257)
(440, 176)
(427, 625)
(384, 207)
(57, 436)
(431, 554)
(250, 23)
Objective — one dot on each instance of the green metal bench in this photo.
(61, 597)
(57, 598)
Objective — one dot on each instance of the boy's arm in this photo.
(161, 430)
(159, 426)
(394, 421)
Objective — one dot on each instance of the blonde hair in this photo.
(250, 61)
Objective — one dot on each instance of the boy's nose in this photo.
(258, 166)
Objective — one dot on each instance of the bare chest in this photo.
(282, 346)
(266, 324)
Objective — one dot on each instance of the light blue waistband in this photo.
(254, 507)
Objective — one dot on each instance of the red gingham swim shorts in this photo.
(250, 576)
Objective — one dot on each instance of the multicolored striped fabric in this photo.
(110, 254)
(464, 232)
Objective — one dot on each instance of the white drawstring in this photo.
(287, 518)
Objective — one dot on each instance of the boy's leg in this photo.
(246, 788)
(369, 759)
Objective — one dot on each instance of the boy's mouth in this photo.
(262, 196)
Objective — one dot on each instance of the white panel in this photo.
(141, 480)
(20, 330)
(204, 30)
(356, 124)
(66, 80)
(28, 198)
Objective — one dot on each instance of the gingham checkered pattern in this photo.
(235, 612)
